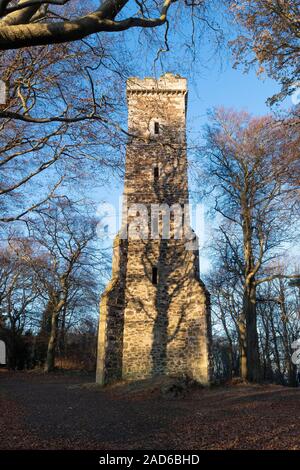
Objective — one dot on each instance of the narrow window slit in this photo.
(156, 127)
(154, 276)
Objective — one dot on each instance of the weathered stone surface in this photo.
(148, 329)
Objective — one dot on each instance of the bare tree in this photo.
(65, 238)
(38, 22)
(269, 38)
(279, 324)
(19, 297)
(53, 129)
(248, 166)
(226, 312)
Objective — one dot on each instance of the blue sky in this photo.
(229, 88)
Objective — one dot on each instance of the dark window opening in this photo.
(156, 172)
(156, 127)
(154, 276)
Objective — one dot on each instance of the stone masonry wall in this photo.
(151, 329)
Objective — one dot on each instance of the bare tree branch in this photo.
(17, 31)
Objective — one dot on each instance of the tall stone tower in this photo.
(154, 313)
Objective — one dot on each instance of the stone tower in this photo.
(154, 313)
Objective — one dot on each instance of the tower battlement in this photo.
(168, 83)
(161, 102)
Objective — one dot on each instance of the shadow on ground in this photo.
(67, 411)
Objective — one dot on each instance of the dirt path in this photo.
(63, 412)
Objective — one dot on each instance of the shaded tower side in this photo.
(111, 321)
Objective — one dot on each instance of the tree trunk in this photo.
(230, 344)
(276, 350)
(50, 360)
(242, 347)
(62, 334)
(249, 295)
(253, 362)
(267, 371)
